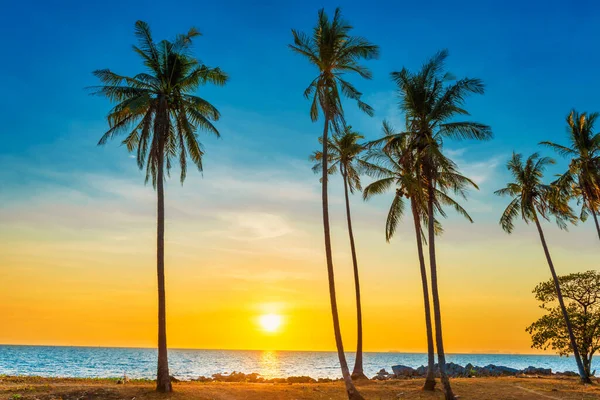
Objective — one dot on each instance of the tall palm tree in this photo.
(431, 100)
(396, 165)
(532, 199)
(334, 52)
(344, 154)
(582, 179)
(160, 115)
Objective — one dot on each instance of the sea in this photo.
(111, 362)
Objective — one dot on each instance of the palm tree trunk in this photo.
(163, 380)
(430, 379)
(357, 372)
(596, 221)
(435, 295)
(353, 394)
(583, 376)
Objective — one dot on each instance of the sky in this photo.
(244, 239)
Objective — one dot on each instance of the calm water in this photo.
(188, 364)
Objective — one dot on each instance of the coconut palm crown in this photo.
(157, 108)
(334, 52)
(530, 196)
(582, 178)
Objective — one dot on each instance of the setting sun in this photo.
(270, 322)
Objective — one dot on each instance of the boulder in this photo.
(498, 370)
(300, 379)
(537, 371)
(567, 373)
(382, 375)
(403, 371)
(455, 370)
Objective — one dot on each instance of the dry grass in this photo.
(509, 388)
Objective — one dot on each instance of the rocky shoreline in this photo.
(468, 371)
(398, 372)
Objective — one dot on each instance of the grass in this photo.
(508, 388)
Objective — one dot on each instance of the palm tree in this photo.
(531, 198)
(160, 115)
(431, 99)
(396, 165)
(333, 51)
(582, 179)
(344, 152)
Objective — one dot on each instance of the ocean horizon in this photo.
(187, 364)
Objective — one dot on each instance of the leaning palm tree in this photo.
(431, 100)
(532, 199)
(333, 51)
(160, 115)
(395, 166)
(344, 154)
(582, 179)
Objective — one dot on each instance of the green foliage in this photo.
(16, 396)
(582, 178)
(396, 165)
(156, 108)
(530, 196)
(581, 292)
(432, 101)
(344, 152)
(334, 52)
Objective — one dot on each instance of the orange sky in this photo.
(78, 268)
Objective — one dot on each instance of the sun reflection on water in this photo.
(270, 364)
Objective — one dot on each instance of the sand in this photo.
(508, 388)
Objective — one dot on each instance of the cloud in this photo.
(480, 171)
(452, 153)
(254, 225)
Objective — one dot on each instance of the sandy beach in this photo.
(511, 388)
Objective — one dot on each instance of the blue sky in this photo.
(537, 59)
(257, 197)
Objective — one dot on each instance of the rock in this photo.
(537, 371)
(497, 370)
(567, 373)
(455, 370)
(300, 379)
(383, 375)
(173, 379)
(403, 371)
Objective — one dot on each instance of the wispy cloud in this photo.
(254, 225)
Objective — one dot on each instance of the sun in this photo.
(270, 322)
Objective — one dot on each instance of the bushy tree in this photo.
(581, 292)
